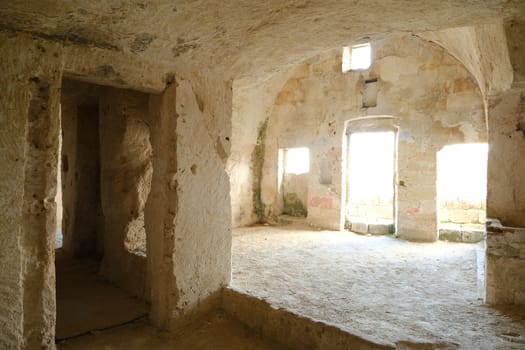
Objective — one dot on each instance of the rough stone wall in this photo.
(433, 98)
(516, 48)
(161, 207)
(125, 173)
(188, 215)
(29, 103)
(80, 170)
(68, 121)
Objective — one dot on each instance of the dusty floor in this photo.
(85, 301)
(376, 287)
(217, 332)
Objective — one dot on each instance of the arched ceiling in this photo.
(241, 37)
(482, 50)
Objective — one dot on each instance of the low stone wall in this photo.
(505, 267)
(294, 331)
(461, 233)
(459, 211)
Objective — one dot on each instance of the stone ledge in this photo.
(292, 330)
(461, 235)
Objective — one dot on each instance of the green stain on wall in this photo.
(257, 166)
(293, 206)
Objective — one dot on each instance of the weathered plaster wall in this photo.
(483, 50)
(29, 103)
(248, 111)
(432, 96)
(251, 106)
(295, 194)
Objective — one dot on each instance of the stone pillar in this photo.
(188, 214)
(161, 208)
(505, 263)
(202, 259)
(29, 118)
(416, 190)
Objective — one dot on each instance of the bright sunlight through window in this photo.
(462, 172)
(371, 169)
(346, 59)
(361, 56)
(297, 160)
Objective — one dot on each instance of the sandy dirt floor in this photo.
(217, 332)
(376, 287)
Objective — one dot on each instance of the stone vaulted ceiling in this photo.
(241, 37)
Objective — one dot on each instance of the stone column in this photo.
(505, 263)
(161, 208)
(29, 118)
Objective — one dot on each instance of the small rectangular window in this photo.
(361, 57)
(357, 57)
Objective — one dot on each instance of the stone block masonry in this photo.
(505, 268)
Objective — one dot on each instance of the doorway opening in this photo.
(59, 237)
(462, 192)
(294, 166)
(104, 178)
(370, 182)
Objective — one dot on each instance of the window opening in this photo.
(361, 57)
(462, 191)
(297, 160)
(346, 59)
